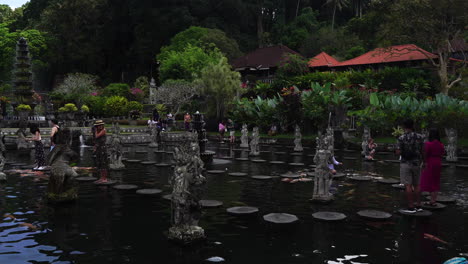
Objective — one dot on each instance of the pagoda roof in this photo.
(323, 60)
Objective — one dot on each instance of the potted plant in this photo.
(23, 110)
(68, 110)
(134, 109)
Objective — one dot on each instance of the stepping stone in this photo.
(162, 165)
(125, 187)
(258, 160)
(167, 196)
(313, 166)
(18, 164)
(462, 166)
(149, 191)
(159, 151)
(124, 159)
(279, 153)
(290, 175)
(106, 183)
(392, 161)
(133, 161)
(311, 174)
(84, 179)
(445, 164)
(350, 158)
(236, 149)
(389, 181)
(436, 207)
(141, 152)
(329, 216)
(463, 158)
(311, 155)
(374, 214)
(261, 177)
(339, 175)
(296, 164)
(277, 162)
(211, 203)
(360, 178)
(264, 151)
(444, 199)
(242, 210)
(296, 154)
(423, 213)
(237, 174)
(148, 162)
(242, 159)
(349, 150)
(398, 186)
(280, 218)
(27, 167)
(215, 171)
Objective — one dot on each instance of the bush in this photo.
(116, 106)
(85, 109)
(23, 107)
(117, 89)
(96, 105)
(68, 108)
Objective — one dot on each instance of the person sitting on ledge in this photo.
(370, 149)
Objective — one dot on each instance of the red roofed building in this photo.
(323, 60)
(262, 62)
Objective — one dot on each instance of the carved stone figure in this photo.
(365, 140)
(297, 139)
(254, 148)
(21, 142)
(153, 136)
(61, 187)
(2, 157)
(452, 138)
(323, 176)
(115, 150)
(244, 137)
(187, 187)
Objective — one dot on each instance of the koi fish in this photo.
(28, 225)
(434, 238)
(12, 217)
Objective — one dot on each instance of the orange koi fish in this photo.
(12, 217)
(30, 226)
(434, 238)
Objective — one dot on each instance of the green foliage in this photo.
(116, 89)
(292, 65)
(116, 106)
(134, 105)
(142, 83)
(258, 111)
(23, 107)
(96, 105)
(85, 109)
(70, 107)
(295, 33)
(76, 86)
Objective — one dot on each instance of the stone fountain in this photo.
(153, 136)
(187, 187)
(198, 125)
(115, 149)
(244, 137)
(298, 139)
(254, 147)
(323, 176)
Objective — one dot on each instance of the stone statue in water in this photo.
(62, 186)
(323, 176)
(365, 140)
(187, 187)
(244, 137)
(115, 150)
(297, 139)
(254, 148)
(21, 142)
(452, 138)
(2, 157)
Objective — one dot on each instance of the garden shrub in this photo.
(117, 89)
(116, 106)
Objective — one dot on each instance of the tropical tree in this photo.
(336, 4)
(175, 94)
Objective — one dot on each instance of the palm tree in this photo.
(336, 4)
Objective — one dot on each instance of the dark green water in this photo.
(111, 226)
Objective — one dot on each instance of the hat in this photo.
(99, 123)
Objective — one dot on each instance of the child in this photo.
(221, 130)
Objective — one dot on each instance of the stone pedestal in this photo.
(244, 137)
(153, 137)
(254, 148)
(365, 140)
(298, 139)
(323, 176)
(452, 138)
(115, 150)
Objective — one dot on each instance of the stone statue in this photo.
(153, 136)
(323, 176)
(244, 137)
(21, 142)
(2, 157)
(298, 139)
(115, 149)
(187, 187)
(61, 187)
(254, 148)
(452, 138)
(365, 140)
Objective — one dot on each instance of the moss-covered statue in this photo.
(62, 186)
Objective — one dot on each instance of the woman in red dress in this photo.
(430, 176)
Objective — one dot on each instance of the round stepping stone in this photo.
(258, 160)
(296, 164)
(350, 158)
(279, 153)
(242, 210)
(462, 166)
(215, 171)
(349, 150)
(423, 213)
(388, 181)
(374, 214)
(280, 218)
(18, 164)
(360, 178)
(296, 154)
(339, 175)
(398, 186)
(159, 151)
(211, 203)
(106, 183)
(149, 191)
(313, 166)
(290, 175)
(444, 199)
(392, 161)
(133, 161)
(141, 152)
(237, 174)
(445, 164)
(437, 206)
(162, 165)
(125, 187)
(167, 196)
(262, 177)
(242, 159)
(311, 174)
(169, 152)
(148, 162)
(329, 216)
(277, 162)
(124, 159)
(264, 151)
(84, 179)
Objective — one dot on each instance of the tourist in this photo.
(187, 120)
(152, 123)
(53, 133)
(170, 121)
(331, 164)
(410, 148)
(430, 176)
(221, 130)
(230, 128)
(100, 149)
(272, 131)
(370, 149)
(38, 147)
(155, 114)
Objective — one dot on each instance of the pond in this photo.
(107, 225)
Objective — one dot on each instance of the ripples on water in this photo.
(110, 226)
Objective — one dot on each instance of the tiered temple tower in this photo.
(22, 82)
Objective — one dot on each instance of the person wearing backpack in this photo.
(409, 147)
